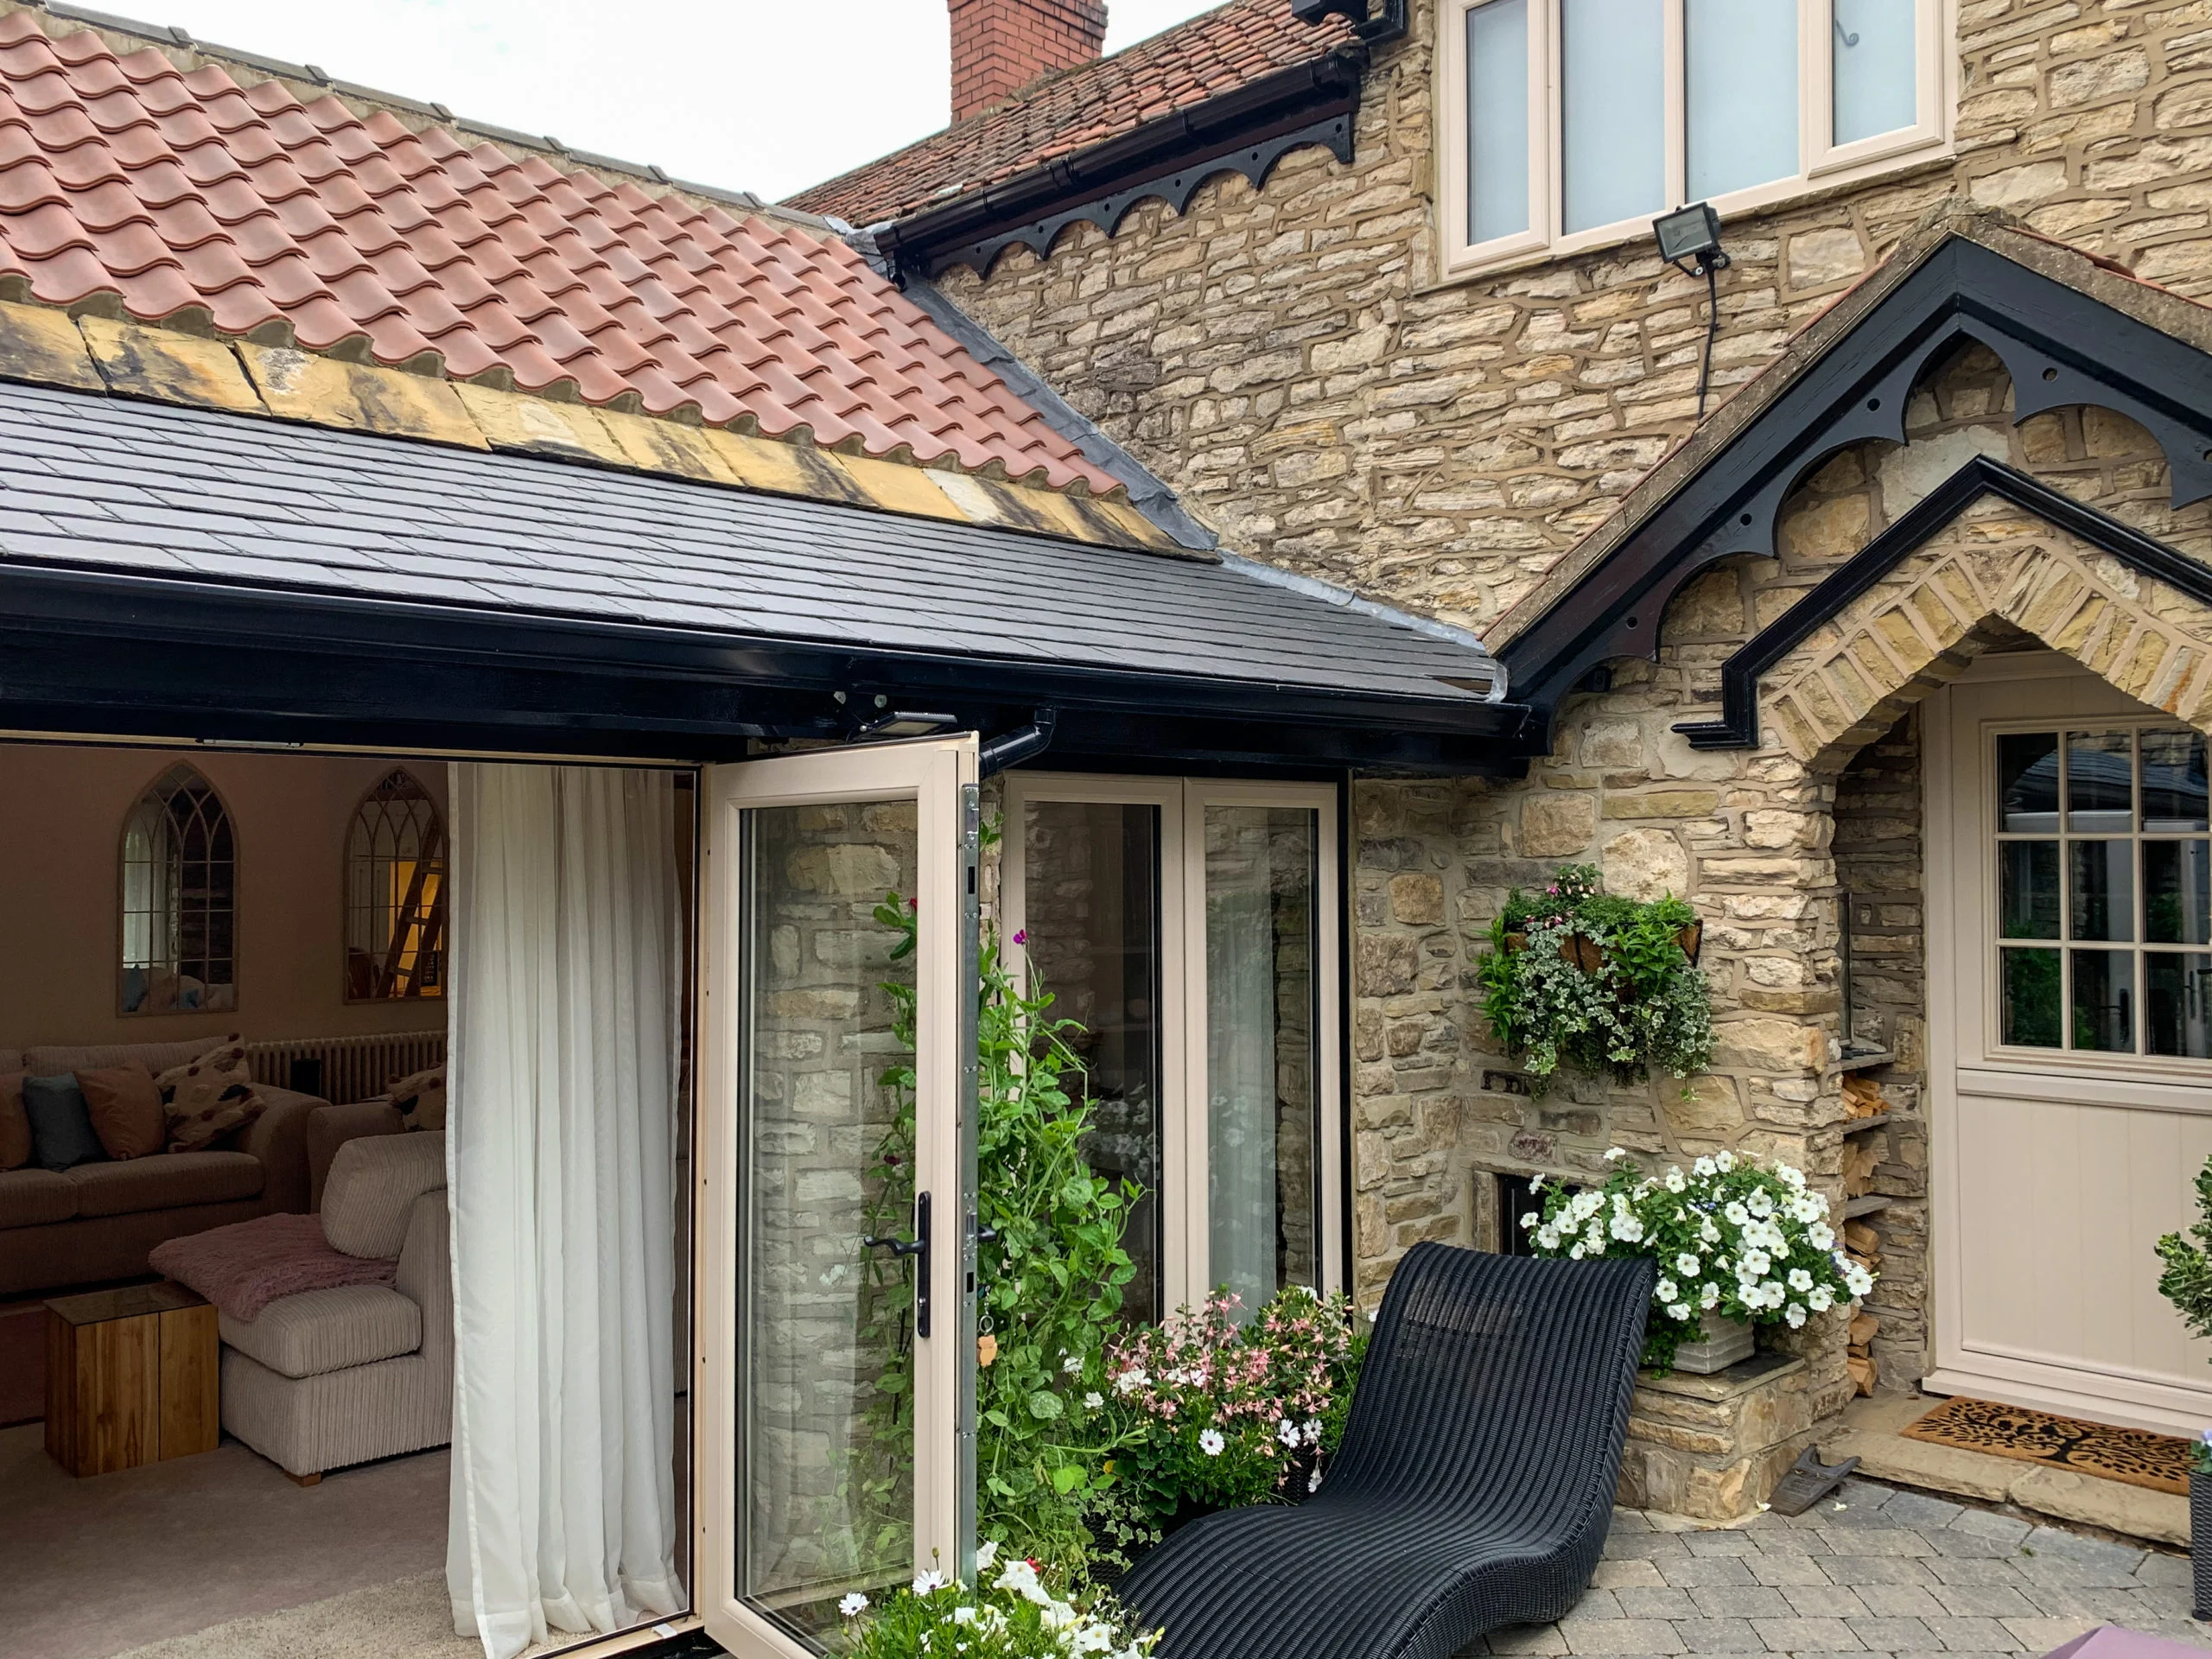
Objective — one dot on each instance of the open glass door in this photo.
(836, 1292)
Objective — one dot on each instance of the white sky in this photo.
(763, 95)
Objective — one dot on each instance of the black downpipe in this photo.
(1023, 743)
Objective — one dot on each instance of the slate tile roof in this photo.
(92, 482)
(179, 191)
(1210, 55)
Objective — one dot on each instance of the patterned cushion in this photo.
(126, 1111)
(169, 1182)
(320, 1331)
(14, 1127)
(421, 1099)
(209, 1096)
(373, 1184)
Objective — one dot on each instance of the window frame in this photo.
(1823, 163)
(120, 965)
(1185, 1237)
(439, 908)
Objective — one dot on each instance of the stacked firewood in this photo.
(1862, 1096)
(1863, 1245)
(1861, 1157)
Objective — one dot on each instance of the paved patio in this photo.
(1869, 1570)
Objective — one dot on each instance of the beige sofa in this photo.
(95, 1222)
(325, 1378)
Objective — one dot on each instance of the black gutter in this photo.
(94, 651)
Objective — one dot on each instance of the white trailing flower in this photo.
(1665, 1291)
(1808, 1207)
(1800, 1280)
(1678, 1311)
(986, 1553)
(1735, 1215)
(1709, 1298)
(1753, 1264)
(1822, 1236)
(1614, 1154)
(1820, 1299)
(1724, 1161)
(1313, 1481)
(1795, 1316)
(1575, 1251)
(1687, 1265)
(1626, 1227)
(1547, 1238)
(1704, 1168)
(1529, 1220)
(1760, 1204)
(1675, 1183)
(1710, 1232)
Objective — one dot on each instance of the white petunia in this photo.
(1760, 1204)
(1820, 1299)
(1709, 1298)
(1529, 1220)
(1808, 1207)
(1665, 1291)
(1800, 1280)
(1708, 1232)
(1703, 1167)
(1724, 1161)
(1627, 1229)
(1774, 1293)
(1575, 1251)
(1790, 1175)
(1754, 1264)
(1614, 1154)
(986, 1553)
(1547, 1239)
(1737, 1215)
(1674, 1181)
(1795, 1316)
(1678, 1310)
(963, 1615)
(1821, 1234)
(1687, 1264)
(1210, 1443)
(1313, 1481)
(854, 1604)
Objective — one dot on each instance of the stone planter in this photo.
(1724, 1342)
(2200, 1542)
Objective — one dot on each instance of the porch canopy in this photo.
(179, 571)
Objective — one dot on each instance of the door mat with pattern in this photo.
(2157, 1461)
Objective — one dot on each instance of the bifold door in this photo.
(837, 1299)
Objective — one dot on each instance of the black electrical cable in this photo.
(1712, 332)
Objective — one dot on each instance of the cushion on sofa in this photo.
(167, 1182)
(126, 1110)
(94, 1056)
(320, 1331)
(15, 1128)
(373, 1187)
(29, 1197)
(61, 1124)
(209, 1096)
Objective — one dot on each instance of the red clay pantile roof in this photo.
(179, 191)
(1210, 55)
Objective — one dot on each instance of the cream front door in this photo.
(2070, 1040)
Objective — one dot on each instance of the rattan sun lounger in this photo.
(1473, 1490)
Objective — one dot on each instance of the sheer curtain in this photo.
(1240, 1059)
(565, 979)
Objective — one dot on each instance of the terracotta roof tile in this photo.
(176, 190)
(1212, 54)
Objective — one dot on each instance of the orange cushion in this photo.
(126, 1111)
(15, 1123)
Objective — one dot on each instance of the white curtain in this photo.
(1241, 1065)
(564, 985)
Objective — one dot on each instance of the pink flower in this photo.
(1021, 935)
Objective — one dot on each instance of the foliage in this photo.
(2187, 1281)
(1731, 1238)
(1013, 1613)
(1225, 1415)
(1049, 1285)
(1644, 1010)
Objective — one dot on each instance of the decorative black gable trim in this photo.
(2059, 344)
(1246, 130)
(1738, 725)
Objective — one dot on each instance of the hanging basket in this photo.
(1590, 956)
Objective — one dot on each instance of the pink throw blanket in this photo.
(249, 1264)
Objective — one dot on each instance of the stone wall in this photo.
(1284, 357)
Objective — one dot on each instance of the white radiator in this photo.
(345, 1068)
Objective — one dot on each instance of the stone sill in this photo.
(1719, 1388)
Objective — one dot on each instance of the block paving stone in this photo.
(1872, 1572)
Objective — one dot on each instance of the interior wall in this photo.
(61, 847)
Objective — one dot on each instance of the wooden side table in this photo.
(130, 1377)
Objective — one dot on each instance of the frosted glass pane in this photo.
(1612, 64)
(1742, 60)
(1498, 119)
(1875, 83)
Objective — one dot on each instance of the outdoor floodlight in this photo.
(1692, 233)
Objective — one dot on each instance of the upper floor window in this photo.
(1571, 124)
(395, 893)
(180, 900)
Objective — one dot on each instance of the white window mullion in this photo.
(1677, 107)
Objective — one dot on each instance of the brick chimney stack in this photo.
(999, 47)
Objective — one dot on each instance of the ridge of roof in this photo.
(103, 355)
(1073, 109)
(139, 176)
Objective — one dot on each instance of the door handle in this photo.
(918, 1248)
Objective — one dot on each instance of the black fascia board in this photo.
(1738, 725)
(1248, 127)
(2060, 345)
(139, 653)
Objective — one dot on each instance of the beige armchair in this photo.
(330, 1377)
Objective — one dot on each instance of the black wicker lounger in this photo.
(1474, 1488)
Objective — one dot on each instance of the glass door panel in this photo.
(835, 1307)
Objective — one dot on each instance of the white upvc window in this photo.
(1568, 125)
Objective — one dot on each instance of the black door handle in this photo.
(918, 1248)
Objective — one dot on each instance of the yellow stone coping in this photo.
(93, 353)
